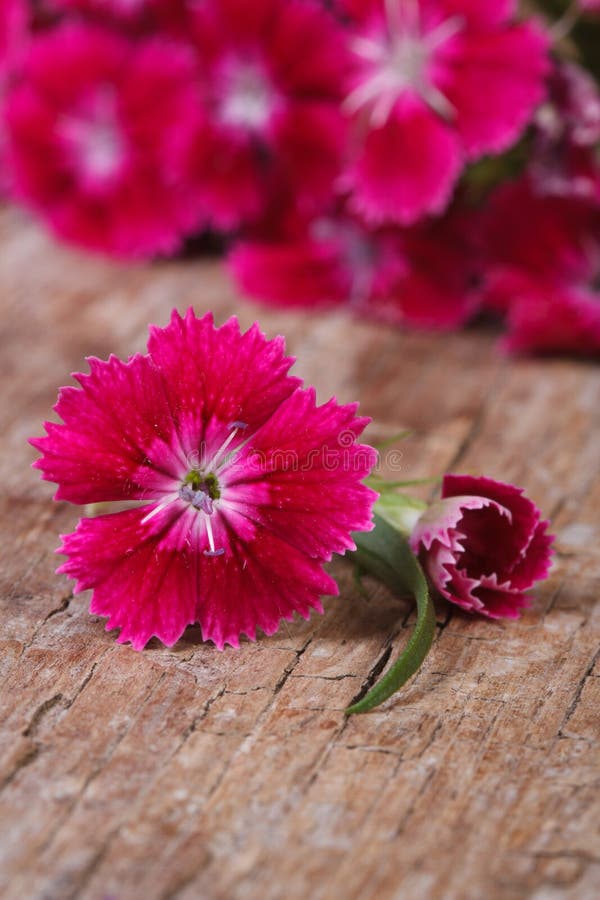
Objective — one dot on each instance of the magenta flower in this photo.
(247, 486)
(272, 130)
(542, 269)
(97, 134)
(435, 84)
(482, 545)
(420, 276)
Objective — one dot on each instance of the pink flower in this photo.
(542, 269)
(98, 130)
(247, 485)
(482, 545)
(273, 132)
(435, 84)
(420, 276)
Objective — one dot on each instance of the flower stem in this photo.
(385, 554)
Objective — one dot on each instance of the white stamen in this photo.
(235, 427)
(211, 541)
(157, 509)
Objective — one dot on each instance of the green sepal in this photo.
(385, 554)
(399, 510)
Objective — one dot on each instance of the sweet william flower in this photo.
(272, 133)
(435, 84)
(246, 486)
(483, 545)
(97, 130)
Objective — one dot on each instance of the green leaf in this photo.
(385, 554)
(393, 439)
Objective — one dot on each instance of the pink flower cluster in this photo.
(335, 144)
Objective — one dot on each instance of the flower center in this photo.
(92, 134)
(398, 60)
(200, 490)
(247, 96)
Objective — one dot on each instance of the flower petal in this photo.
(217, 376)
(143, 581)
(255, 586)
(307, 486)
(494, 80)
(118, 440)
(406, 168)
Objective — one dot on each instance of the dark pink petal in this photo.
(306, 477)
(256, 586)
(546, 236)
(311, 140)
(494, 80)
(545, 317)
(440, 522)
(525, 515)
(149, 584)
(217, 376)
(233, 179)
(144, 584)
(499, 604)
(407, 168)
(535, 564)
(299, 273)
(118, 440)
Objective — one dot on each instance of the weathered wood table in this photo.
(190, 773)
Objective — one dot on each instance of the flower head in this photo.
(97, 130)
(482, 545)
(246, 486)
(272, 128)
(435, 84)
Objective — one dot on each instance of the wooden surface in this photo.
(189, 773)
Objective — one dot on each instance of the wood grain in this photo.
(189, 773)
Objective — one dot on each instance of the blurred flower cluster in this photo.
(423, 162)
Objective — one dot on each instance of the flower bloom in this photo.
(273, 132)
(246, 485)
(435, 84)
(482, 545)
(420, 276)
(542, 268)
(97, 130)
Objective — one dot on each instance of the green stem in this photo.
(385, 553)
